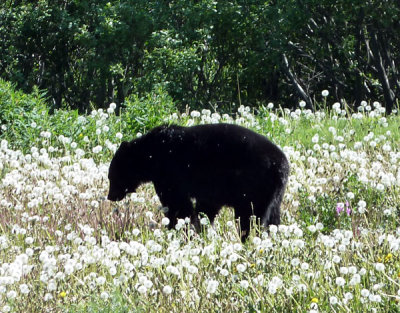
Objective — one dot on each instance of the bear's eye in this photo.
(126, 190)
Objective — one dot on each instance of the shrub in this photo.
(144, 113)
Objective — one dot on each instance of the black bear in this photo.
(202, 168)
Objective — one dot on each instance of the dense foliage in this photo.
(203, 53)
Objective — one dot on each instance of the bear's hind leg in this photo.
(272, 215)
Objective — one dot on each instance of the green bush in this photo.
(144, 113)
(26, 121)
(21, 115)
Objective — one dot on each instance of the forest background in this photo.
(86, 54)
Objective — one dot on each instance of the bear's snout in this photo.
(111, 198)
(115, 197)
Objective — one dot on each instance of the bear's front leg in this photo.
(177, 204)
(178, 210)
(243, 212)
(210, 210)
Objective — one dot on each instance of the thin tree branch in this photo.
(292, 77)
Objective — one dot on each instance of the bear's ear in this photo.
(124, 145)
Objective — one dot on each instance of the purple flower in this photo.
(348, 209)
(339, 207)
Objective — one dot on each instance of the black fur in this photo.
(219, 164)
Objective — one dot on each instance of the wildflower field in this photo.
(64, 248)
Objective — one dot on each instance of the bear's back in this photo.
(213, 145)
(234, 140)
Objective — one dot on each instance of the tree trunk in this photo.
(296, 84)
(382, 76)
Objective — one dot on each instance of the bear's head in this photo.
(124, 173)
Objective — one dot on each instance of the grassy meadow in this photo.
(65, 248)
